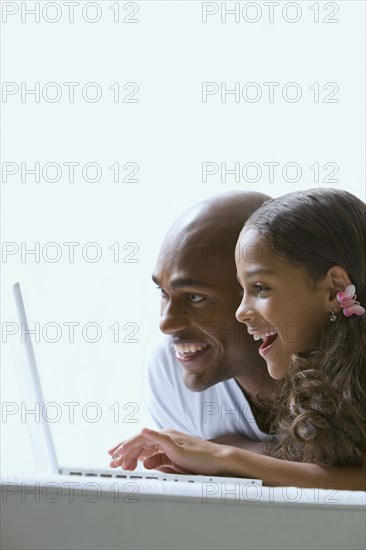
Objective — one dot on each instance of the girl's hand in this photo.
(171, 451)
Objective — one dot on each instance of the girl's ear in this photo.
(338, 279)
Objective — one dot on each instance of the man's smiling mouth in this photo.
(189, 351)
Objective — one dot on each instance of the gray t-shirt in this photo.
(219, 410)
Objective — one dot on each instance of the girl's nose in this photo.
(245, 312)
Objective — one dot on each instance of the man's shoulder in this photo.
(163, 363)
(164, 348)
(221, 408)
(163, 356)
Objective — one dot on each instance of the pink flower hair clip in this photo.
(347, 299)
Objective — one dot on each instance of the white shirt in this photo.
(221, 409)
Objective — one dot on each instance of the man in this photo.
(207, 378)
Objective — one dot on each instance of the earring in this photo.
(333, 316)
(347, 299)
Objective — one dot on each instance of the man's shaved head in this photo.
(196, 273)
(213, 225)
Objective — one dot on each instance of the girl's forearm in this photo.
(242, 443)
(273, 471)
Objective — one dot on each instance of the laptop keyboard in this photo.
(158, 476)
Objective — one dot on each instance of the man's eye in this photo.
(162, 292)
(195, 298)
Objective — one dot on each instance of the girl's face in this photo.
(281, 303)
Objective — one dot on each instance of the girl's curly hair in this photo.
(320, 414)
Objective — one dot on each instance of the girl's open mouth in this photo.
(267, 344)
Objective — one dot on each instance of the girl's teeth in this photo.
(263, 337)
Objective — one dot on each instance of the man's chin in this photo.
(199, 383)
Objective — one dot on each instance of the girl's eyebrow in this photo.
(258, 271)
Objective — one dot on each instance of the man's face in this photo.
(199, 297)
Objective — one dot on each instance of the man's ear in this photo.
(338, 279)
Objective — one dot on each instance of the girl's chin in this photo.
(276, 371)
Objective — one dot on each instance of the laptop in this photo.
(40, 433)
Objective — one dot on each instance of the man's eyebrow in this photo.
(184, 282)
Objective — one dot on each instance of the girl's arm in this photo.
(187, 454)
(274, 471)
(242, 443)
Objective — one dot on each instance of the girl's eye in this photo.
(260, 288)
(257, 287)
(195, 298)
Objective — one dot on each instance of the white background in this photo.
(169, 52)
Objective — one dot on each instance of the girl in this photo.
(301, 260)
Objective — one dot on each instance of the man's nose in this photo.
(245, 311)
(173, 319)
